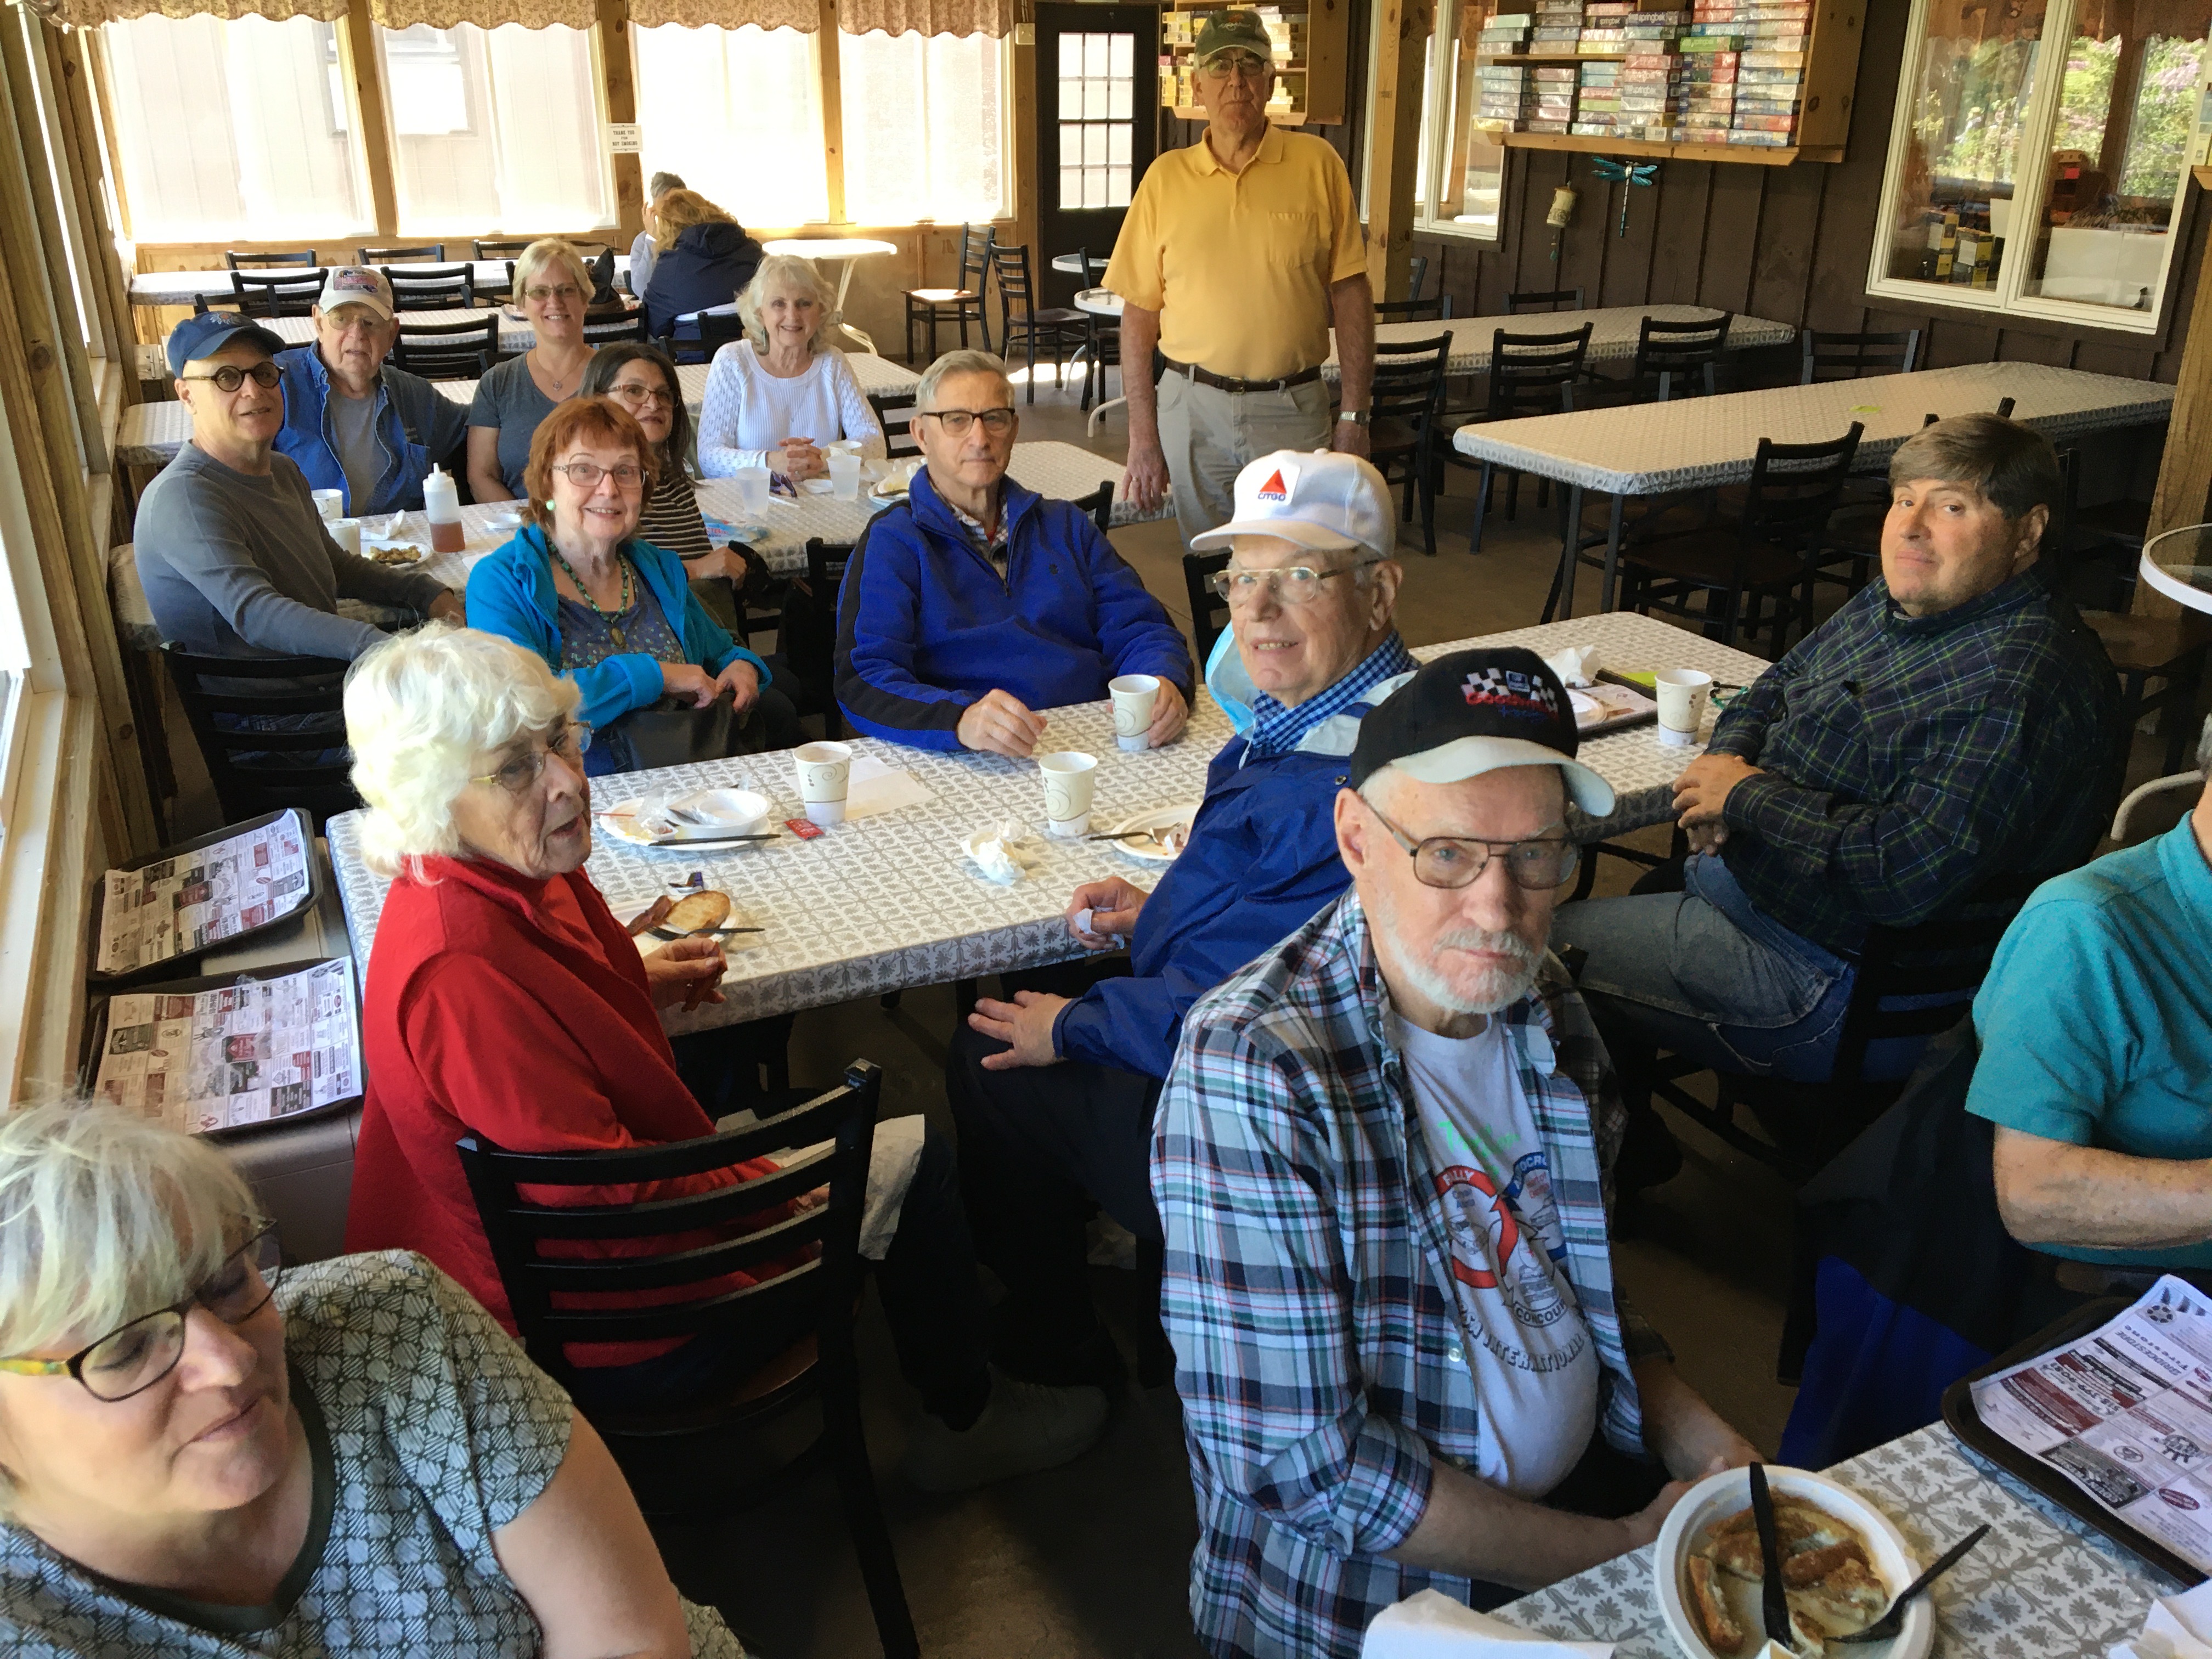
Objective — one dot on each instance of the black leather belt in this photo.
(1230, 383)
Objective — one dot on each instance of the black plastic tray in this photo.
(95, 1034)
(184, 958)
(1967, 1423)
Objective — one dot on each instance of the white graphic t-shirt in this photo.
(1536, 1368)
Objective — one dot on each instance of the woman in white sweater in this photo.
(776, 397)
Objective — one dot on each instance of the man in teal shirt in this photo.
(2096, 1049)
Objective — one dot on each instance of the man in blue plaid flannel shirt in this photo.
(1381, 1162)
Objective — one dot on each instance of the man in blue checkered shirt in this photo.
(1382, 1162)
(1954, 722)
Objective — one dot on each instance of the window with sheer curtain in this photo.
(227, 129)
(495, 130)
(925, 127)
(737, 114)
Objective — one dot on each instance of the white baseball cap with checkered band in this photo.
(356, 285)
(1315, 498)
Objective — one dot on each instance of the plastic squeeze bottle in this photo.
(441, 499)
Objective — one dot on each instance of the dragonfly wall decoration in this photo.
(1625, 173)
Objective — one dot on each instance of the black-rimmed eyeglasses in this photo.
(230, 376)
(996, 421)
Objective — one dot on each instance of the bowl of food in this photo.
(1842, 1562)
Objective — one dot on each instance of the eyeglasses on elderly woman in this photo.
(133, 1357)
(517, 775)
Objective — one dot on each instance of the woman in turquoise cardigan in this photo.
(614, 614)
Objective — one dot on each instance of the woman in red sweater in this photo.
(503, 997)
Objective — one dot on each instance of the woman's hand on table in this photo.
(801, 459)
(1112, 904)
(742, 681)
(686, 971)
(1169, 715)
(688, 679)
(447, 607)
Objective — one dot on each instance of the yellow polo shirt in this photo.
(1239, 265)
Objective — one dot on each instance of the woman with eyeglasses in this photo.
(777, 397)
(606, 607)
(198, 1455)
(553, 286)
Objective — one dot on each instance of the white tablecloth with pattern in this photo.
(888, 902)
(1614, 332)
(1694, 443)
(181, 287)
(2040, 1586)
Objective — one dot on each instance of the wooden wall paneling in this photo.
(2184, 476)
(1028, 182)
(111, 286)
(96, 58)
(617, 64)
(1625, 268)
(2193, 229)
(2020, 345)
(1946, 343)
(1677, 231)
(1734, 233)
(830, 76)
(1392, 147)
(1789, 232)
(369, 103)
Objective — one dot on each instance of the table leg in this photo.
(844, 282)
(1571, 551)
(1612, 551)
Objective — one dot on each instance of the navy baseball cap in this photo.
(205, 334)
(1473, 712)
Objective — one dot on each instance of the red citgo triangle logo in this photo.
(1275, 490)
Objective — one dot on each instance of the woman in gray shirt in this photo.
(553, 288)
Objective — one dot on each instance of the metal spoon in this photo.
(1888, 1625)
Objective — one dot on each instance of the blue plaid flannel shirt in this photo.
(1277, 730)
(1319, 1348)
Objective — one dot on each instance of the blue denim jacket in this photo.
(417, 424)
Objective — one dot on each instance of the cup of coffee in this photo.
(346, 533)
(825, 774)
(1069, 779)
(753, 492)
(1134, 696)
(330, 503)
(1683, 694)
(844, 475)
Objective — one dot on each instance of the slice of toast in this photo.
(701, 910)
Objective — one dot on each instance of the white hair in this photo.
(963, 362)
(786, 273)
(552, 251)
(420, 710)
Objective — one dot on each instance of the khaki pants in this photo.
(1210, 435)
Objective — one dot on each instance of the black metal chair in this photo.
(723, 1454)
(258, 771)
(895, 413)
(808, 635)
(1401, 432)
(1101, 344)
(1059, 331)
(236, 259)
(433, 288)
(1531, 301)
(447, 351)
(1099, 504)
(272, 295)
(1851, 356)
(499, 248)
(1767, 551)
(1438, 310)
(963, 304)
(1529, 375)
(1209, 611)
(428, 253)
(716, 330)
(1417, 275)
(1673, 360)
(629, 326)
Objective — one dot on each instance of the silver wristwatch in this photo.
(1357, 416)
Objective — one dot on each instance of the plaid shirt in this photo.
(1907, 760)
(1277, 730)
(1320, 1350)
(991, 543)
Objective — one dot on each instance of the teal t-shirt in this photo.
(2095, 1021)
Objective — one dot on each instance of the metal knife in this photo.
(1773, 1594)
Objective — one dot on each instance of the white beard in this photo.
(1493, 989)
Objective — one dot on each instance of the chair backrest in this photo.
(2004, 409)
(447, 352)
(1549, 299)
(293, 293)
(1409, 382)
(501, 247)
(627, 327)
(1011, 265)
(718, 329)
(433, 288)
(811, 649)
(1795, 487)
(1209, 611)
(219, 692)
(429, 253)
(895, 414)
(202, 304)
(1099, 504)
(655, 1256)
(1414, 311)
(975, 257)
(236, 260)
(1417, 276)
(1849, 356)
(1535, 374)
(1676, 353)
(1936, 966)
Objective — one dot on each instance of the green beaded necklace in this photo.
(614, 628)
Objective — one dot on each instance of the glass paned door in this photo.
(1098, 117)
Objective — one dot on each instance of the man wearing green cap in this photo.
(1236, 257)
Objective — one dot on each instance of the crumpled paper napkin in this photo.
(1006, 852)
(2177, 1628)
(1575, 665)
(1433, 1625)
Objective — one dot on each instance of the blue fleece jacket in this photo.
(511, 594)
(415, 422)
(926, 624)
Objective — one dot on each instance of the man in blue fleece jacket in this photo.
(977, 605)
(1055, 1095)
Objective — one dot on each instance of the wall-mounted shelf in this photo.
(1757, 154)
(1312, 73)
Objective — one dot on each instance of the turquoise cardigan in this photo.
(511, 594)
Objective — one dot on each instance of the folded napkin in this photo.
(1575, 665)
(872, 786)
(1433, 1625)
(2178, 1628)
(1005, 853)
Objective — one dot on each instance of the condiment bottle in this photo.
(441, 499)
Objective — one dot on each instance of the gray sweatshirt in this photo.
(237, 565)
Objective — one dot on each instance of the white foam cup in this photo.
(1134, 697)
(825, 774)
(1069, 779)
(1683, 693)
(346, 533)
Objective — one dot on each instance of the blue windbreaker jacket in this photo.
(416, 422)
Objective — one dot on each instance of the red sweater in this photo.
(483, 1013)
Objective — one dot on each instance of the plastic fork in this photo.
(1889, 1624)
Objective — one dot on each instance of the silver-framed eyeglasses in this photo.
(996, 421)
(133, 1357)
(1243, 65)
(585, 475)
(518, 775)
(558, 291)
(1297, 585)
(230, 376)
(1454, 861)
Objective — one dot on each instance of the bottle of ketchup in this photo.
(441, 500)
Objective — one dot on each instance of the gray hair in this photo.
(552, 251)
(420, 708)
(963, 361)
(2013, 466)
(786, 273)
(660, 185)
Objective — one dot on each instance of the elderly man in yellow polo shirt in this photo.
(1236, 256)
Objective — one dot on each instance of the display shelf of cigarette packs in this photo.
(1309, 43)
(1831, 64)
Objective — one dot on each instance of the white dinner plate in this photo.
(1164, 817)
(1581, 703)
(1719, 1496)
(731, 813)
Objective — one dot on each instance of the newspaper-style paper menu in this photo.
(250, 1052)
(2126, 1413)
(197, 899)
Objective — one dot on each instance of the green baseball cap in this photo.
(1233, 31)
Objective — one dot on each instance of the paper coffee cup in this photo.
(1134, 696)
(825, 774)
(330, 503)
(346, 533)
(1682, 693)
(1069, 779)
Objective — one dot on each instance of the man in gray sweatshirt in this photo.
(234, 559)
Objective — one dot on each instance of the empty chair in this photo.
(291, 295)
(895, 414)
(233, 259)
(427, 252)
(1529, 375)
(631, 326)
(260, 770)
(1531, 301)
(447, 351)
(1059, 331)
(1408, 389)
(808, 635)
(1851, 356)
(961, 304)
(1417, 275)
(1673, 360)
(433, 288)
(1438, 310)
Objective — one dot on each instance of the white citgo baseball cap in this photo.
(1316, 498)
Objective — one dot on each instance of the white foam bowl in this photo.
(1719, 1496)
(727, 812)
